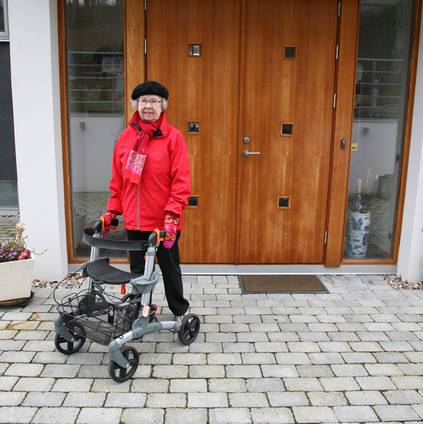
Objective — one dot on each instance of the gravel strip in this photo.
(71, 281)
(396, 283)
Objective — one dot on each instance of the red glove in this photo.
(171, 223)
(107, 221)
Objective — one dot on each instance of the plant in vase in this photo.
(358, 225)
(16, 267)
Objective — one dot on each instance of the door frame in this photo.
(343, 114)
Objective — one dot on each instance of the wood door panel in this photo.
(203, 89)
(297, 91)
(247, 67)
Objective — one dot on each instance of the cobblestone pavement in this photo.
(8, 223)
(354, 355)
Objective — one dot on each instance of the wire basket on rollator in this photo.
(103, 316)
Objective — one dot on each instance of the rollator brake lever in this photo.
(156, 237)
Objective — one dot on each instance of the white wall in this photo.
(92, 139)
(373, 138)
(36, 107)
(410, 260)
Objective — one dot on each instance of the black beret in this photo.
(150, 87)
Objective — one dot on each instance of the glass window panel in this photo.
(2, 17)
(8, 186)
(9, 210)
(95, 85)
(382, 77)
(4, 30)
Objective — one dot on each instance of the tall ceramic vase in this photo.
(358, 234)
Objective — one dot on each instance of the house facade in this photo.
(302, 118)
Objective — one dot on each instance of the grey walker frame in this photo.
(141, 288)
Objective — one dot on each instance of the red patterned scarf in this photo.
(138, 154)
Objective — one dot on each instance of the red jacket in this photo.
(165, 181)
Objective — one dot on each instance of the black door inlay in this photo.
(194, 49)
(283, 202)
(287, 128)
(193, 201)
(290, 52)
(193, 127)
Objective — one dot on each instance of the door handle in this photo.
(247, 153)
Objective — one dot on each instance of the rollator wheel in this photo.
(121, 374)
(189, 329)
(66, 347)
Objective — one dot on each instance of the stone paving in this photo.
(8, 223)
(354, 355)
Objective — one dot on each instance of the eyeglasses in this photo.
(153, 102)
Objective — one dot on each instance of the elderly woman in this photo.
(150, 185)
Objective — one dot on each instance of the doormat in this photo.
(281, 284)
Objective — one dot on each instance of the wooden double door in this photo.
(252, 89)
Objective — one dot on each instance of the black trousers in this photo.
(169, 264)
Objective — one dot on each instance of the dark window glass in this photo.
(2, 16)
(8, 195)
(8, 181)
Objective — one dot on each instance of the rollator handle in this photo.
(99, 228)
(156, 237)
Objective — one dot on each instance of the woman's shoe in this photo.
(181, 317)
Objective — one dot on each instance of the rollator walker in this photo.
(109, 319)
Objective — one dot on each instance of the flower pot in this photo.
(16, 279)
(357, 234)
(359, 221)
(357, 244)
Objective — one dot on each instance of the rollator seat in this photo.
(103, 272)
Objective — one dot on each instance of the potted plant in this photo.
(16, 268)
